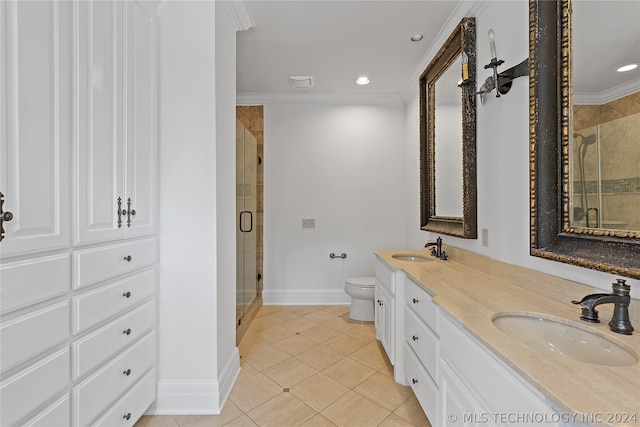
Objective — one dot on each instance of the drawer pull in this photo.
(127, 416)
(415, 301)
(127, 331)
(127, 258)
(127, 372)
(415, 338)
(127, 294)
(414, 381)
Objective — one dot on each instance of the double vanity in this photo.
(482, 342)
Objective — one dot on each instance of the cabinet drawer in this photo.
(423, 387)
(102, 344)
(35, 280)
(132, 405)
(423, 342)
(420, 301)
(58, 414)
(95, 306)
(94, 265)
(28, 335)
(98, 391)
(28, 389)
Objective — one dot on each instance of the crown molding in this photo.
(292, 98)
(240, 14)
(609, 95)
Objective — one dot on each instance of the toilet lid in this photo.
(363, 282)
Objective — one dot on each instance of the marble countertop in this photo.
(473, 288)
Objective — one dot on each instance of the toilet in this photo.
(362, 291)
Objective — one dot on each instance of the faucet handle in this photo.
(588, 314)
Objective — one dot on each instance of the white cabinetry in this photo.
(35, 124)
(480, 389)
(114, 280)
(77, 132)
(389, 317)
(115, 177)
(422, 347)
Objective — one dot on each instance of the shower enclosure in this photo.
(246, 222)
(605, 174)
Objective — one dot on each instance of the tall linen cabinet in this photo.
(78, 274)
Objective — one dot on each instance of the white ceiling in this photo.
(606, 36)
(336, 42)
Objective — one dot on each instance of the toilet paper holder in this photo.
(332, 255)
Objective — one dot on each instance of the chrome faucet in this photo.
(437, 251)
(619, 297)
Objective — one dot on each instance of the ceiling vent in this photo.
(301, 82)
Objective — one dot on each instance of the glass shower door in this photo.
(246, 235)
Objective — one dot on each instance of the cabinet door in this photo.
(100, 175)
(377, 309)
(35, 124)
(457, 405)
(388, 334)
(140, 138)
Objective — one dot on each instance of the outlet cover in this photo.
(485, 237)
(308, 223)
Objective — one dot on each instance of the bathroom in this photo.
(349, 162)
(357, 213)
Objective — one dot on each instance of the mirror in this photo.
(448, 136)
(585, 119)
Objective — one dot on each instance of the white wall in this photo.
(342, 166)
(196, 332)
(503, 155)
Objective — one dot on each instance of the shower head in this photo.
(586, 140)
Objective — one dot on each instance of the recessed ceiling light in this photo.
(417, 37)
(363, 80)
(627, 68)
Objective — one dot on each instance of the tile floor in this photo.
(310, 366)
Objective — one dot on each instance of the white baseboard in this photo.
(194, 397)
(305, 297)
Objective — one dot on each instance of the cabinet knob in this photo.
(127, 372)
(127, 331)
(127, 294)
(128, 258)
(415, 301)
(415, 338)
(127, 416)
(414, 381)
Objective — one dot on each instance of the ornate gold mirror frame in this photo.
(462, 40)
(552, 236)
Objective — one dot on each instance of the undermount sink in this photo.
(410, 258)
(561, 338)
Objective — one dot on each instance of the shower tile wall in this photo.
(620, 177)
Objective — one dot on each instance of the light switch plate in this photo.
(485, 237)
(308, 223)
